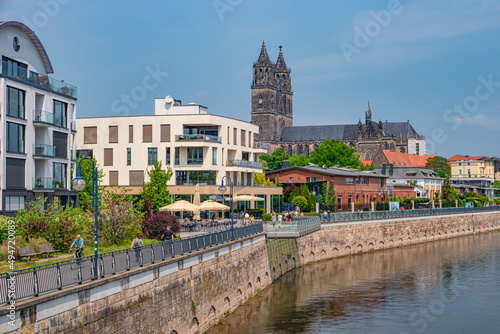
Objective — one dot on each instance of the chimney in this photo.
(286, 163)
(383, 169)
(391, 169)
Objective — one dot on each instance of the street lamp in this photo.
(222, 190)
(79, 184)
(314, 194)
(382, 192)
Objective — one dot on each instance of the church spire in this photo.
(280, 63)
(263, 57)
(368, 114)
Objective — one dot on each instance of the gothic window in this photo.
(290, 150)
(299, 149)
(267, 77)
(402, 150)
(260, 71)
(306, 150)
(272, 102)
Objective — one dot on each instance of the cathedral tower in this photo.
(272, 96)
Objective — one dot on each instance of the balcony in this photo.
(44, 117)
(21, 74)
(41, 183)
(73, 155)
(260, 145)
(244, 163)
(73, 126)
(43, 150)
(207, 138)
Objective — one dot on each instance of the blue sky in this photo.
(433, 62)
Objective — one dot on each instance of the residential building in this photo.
(472, 174)
(351, 185)
(384, 157)
(200, 148)
(425, 181)
(38, 130)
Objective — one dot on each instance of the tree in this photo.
(301, 202)
(328, 196)
(298, 160)
(275, 159)
(311, 199)
(260, 179)
(449, 193)
(331, 152)
(154, 193)
(439, 165)
(86, 195)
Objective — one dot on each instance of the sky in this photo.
(432, 62)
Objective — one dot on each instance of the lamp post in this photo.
(79, 184)
(382, 192)
(222, 190)
(314, 194)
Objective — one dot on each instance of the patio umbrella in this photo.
(246, 198)
(180, 206)
(196, 201)
(213, 205)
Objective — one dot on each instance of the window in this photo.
(459, 172)
(245, 156)
(15, 102)
(113, 134)
(235, 136)
(136, 177)
(15, 44)
(152, 155)
(177, 156)
(90, 135)
(14, 203)
(249, 138)
(195, 177)
(147, 133)
(381, 183)
(418, 148)
(129, 156)
(349, 180)
(113, 178)
(339, 202)
(15, 175)
(364, 181)
(290, 180)
(312, 179)
(84, 153)
(60, 175)
(468, 163)
(60, 141)
(349, 199)
(14, 68)
(167, 157)
(460, 164)
(15, 138)
(214, 155)
(165, 133)
(243, 139)
(130, 133)
(195, 155)
(468, 171)
(108, 157)
(60, 114)
(228, 134)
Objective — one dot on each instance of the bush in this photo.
(497, 201)
(158, 223)
(4, 248)
(266, 217)
(301, 202)
(4, 228)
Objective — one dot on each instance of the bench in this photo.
(27, 252)
(47, 249)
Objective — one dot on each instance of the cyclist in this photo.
(78, 243)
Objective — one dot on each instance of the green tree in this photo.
(85, 196)
(298, 160)
(332, 152)
(328, 198)
(449, 193)
(260, 179)
(301, 202)
(154, 193)
(275, 159)
(311, 199)
(439, 165)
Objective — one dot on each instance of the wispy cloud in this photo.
(483, 121)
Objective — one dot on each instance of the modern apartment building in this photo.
(200, 148)
(38, 128)
(472, 174)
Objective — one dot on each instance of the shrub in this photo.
(497, 201)
(158, 223)
(4, 228)
(266, 217)
(37, 242)
(301, 202)
(4, 248)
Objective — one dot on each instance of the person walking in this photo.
(280, 218)
(137, 244)
(168, 234)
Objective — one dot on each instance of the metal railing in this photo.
(42, 116)
(260, 145)
(43, 183)
(244, 163)
(200, 137)
(33, 281)
(44, 150)
(298, 227)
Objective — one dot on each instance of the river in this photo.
(446, 286)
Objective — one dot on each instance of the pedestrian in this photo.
(136, 244)
(329, 215)
(168, 234)
(280, 218)
(325, 214)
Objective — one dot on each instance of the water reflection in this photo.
(447, 286)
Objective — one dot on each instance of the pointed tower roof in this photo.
(263, 57)
(368, 110)
(280, 63)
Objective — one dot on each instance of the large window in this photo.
(14, 68)
(15, 102)
(60, 175)
(14, 203)
(147, 133)
(61, 143)
(108, 157)
(129, 156)
(349, 180)
(113, 134)
(136, 177)
(90, 135)
(177, 158)
(60, 114)
(195, 156)
(15, 138)
(167, 156)
(15, 173)
(165, 133)
(196, 177)
(152, 155)
(201, 130)
(214, 155)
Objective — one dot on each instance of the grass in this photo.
(65, 255)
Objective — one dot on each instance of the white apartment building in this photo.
(38, 126)
(200, 148)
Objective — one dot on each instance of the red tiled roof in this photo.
(458, 157)
(406, 159)
(366, 162)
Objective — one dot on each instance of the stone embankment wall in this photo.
(186, 294)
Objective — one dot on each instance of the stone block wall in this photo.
(283, 256)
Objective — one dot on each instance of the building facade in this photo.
(37, 147)
(472, 174)
(200, 148)
(272, 111)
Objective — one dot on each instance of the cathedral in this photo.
(272, 111)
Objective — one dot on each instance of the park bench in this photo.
(47, 249)
(27, 252)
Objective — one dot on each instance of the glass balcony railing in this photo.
(73, 126)
(244, 163)
(42, 116)
(73, 155)
(260, 145)
(43, 183)
(208, 138)
(22, 74)
(43, 150)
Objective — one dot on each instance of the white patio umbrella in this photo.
(180, 206)
(213, 205)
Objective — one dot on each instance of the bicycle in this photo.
(75, 259)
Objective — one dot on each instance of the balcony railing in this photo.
(43, 150)
(244, 163)
(37, 80)
(260, 145)
(209, 138)
(73, 126)
(43, 183)
(73, 155)
(42, 116)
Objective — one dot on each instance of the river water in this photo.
(447, 286)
